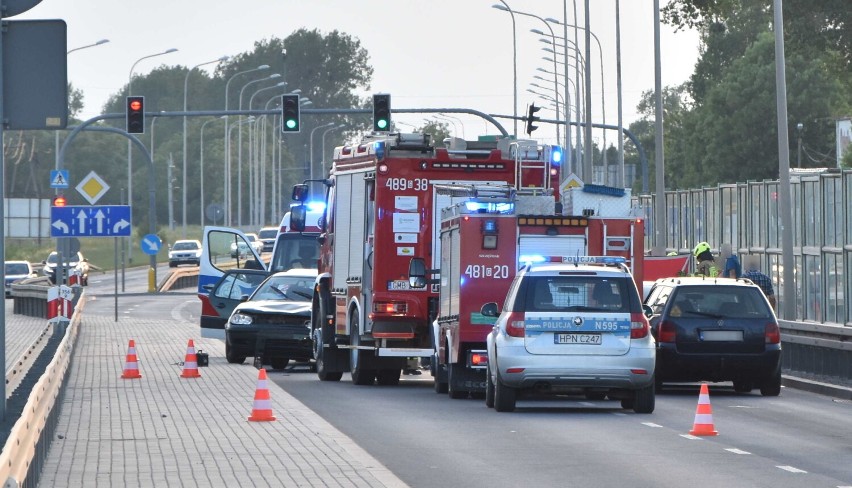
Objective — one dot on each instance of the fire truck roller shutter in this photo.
(549, 246)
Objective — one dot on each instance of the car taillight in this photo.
(390, 307)
(638, 326)
(667, 332)
(772, 333)
(515, 324)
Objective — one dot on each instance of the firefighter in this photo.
(706, 264)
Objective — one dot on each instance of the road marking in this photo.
(652, 424)
(691, 437)
(737, 451)
(791, 469)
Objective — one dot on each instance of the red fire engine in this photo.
(375, 300)
(484, 241)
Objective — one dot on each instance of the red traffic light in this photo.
(59, 201)
(135, 105)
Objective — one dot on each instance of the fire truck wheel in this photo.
(452, 390)
(440, 374)
(360, 376)
(504, 397)
(388, 377)
(319, 356)
(489, 390)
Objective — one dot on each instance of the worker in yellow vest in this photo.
(706, 263)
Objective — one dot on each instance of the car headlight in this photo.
(241, 319)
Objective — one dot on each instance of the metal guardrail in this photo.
(24, 363)
(817, 349)
(179, 278)
(23, 455)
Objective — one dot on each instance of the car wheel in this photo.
(319, 356)
(360, 375)
(772, 386)
(172, 265)
(489, 390)
(504, 397)
(279, 362)
(743, 386)
(231, 357)
(388, 377)
(595, 395)
(644, 400)
(452, 391)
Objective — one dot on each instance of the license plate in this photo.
(577, 338)
(722, 335)
(397, 285)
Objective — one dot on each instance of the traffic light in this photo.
(532, 118)
(381, 113)
(135, 115)
(59, 201)
(290, 113)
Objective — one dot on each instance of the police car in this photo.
(572, 327)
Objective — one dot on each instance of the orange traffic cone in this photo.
(703, 424)
(131, 368)
(190, 363)
(262, 409)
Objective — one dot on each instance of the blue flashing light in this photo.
(380, 149)
(489, 207)
(556, 155)
(531, 259)
(594, 259)
(316, 206)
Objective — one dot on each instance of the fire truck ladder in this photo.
(495, 193)
(529, 155)
(618, 243)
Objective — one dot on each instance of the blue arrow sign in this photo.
(94, 221)
(151, 244)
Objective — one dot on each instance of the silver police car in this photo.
(573, 327)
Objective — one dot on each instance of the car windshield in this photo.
(720, 301)
(581, 293)
(17, 269)
(250, 237)
(292, 288)
(53, 258)
(185, 246)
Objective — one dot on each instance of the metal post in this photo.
(659, 150)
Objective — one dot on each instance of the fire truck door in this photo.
(369, 257)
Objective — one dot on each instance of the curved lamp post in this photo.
(506, 8)
(185, 90)
(240, 148)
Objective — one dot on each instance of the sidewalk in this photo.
(164, 430)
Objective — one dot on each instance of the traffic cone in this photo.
(262, 409)
(190, 363)
(131, 368)
(703, 424)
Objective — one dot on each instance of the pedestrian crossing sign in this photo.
(59, 178)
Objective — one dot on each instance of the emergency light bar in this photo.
(489, 207)
(594, 259)
(553, 220)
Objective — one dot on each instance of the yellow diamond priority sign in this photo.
(92, 187)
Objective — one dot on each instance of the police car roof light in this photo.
(594, 259)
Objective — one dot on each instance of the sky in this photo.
(436, 54)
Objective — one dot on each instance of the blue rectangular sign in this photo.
(90, 221)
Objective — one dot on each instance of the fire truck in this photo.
(376, 296)
(486, 239)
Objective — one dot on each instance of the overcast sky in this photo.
(441, 53)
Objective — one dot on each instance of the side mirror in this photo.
(208, 287)
(244, 298)
(417, 273)
(298, 215)
(647, 310)
(300, 193)
(253, 264)
(490, 310)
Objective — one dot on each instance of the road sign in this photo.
(151, 244)
(59, 178)
(92, 187)
(95, 221)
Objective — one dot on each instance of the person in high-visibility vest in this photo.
(706, 264)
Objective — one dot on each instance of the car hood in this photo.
(275, 306)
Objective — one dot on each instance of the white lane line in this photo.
(652, 424)
(791, 469)
(737, 451)
(691, 437)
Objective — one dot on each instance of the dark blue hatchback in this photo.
(715, 329)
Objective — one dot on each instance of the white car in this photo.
(255, 242)
(17, 270)
(185, 252)
(571, 329)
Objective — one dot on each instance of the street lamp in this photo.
(311, 162)
(201, 165)
(799, 128)
(255, 156)
(130, 144)
(240, 148)
(185, 90)
(248, 120)
(506, 8)
(322, 160)
(227, 181)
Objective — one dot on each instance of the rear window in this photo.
(577, 293)
(724, 301)
(268, 233)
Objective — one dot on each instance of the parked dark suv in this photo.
(715, 329)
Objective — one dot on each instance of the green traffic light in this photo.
(382, 124)
(291, 124)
